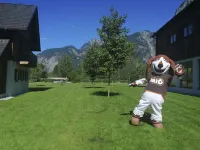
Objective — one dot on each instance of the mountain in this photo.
(85, 46)
(183, 6)
(50, 57)
(145, 45)
(144, 49)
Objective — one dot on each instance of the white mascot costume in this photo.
(160, 72)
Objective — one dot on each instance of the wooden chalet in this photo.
(179, 39)
(19, 37)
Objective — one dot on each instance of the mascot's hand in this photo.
(179, 71)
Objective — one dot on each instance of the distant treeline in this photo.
(131, 71)
(111, 60)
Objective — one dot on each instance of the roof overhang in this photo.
(27, 60)
(20, 18)
(3, 45)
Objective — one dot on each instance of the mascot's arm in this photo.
(169, 81)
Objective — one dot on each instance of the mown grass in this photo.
(76, 116)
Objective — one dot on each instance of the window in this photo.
(18, 72)
(16, 75)
(173, 38)
(185, 32)
(20, 75)
(190, 29)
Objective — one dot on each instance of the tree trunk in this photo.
(119, 75)
(92, 83)
(108, 91)
(109, 75)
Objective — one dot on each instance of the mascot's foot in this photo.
(135, 121)
(158, 124)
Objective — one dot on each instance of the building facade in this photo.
(19, 37)
(179, 39)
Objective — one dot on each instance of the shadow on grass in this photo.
(104, 93)
(146, 117)
(40, 85)
(38, 89)
(125, 114)
(141, 86)
(90, 87)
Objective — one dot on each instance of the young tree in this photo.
(91, 63)
(56, 71)
(116, 49)
(80, 73)
(37, 73)
(133, 70)
(65, 67)
(80, 70)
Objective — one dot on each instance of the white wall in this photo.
(196, 74)
(12, 87)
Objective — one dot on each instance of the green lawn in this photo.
(77, 117)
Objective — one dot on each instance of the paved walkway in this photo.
(184, 91)
(6, 98)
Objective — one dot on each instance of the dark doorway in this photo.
(199, 74)
(3, 74)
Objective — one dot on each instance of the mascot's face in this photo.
(160, 65)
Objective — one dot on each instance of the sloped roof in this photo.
(3, 44)
(183, 6)
(15, 16)
(189, 6)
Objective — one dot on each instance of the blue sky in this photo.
(74, 22)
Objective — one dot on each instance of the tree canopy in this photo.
(91, 62)
(37, 73)
(115, 48)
